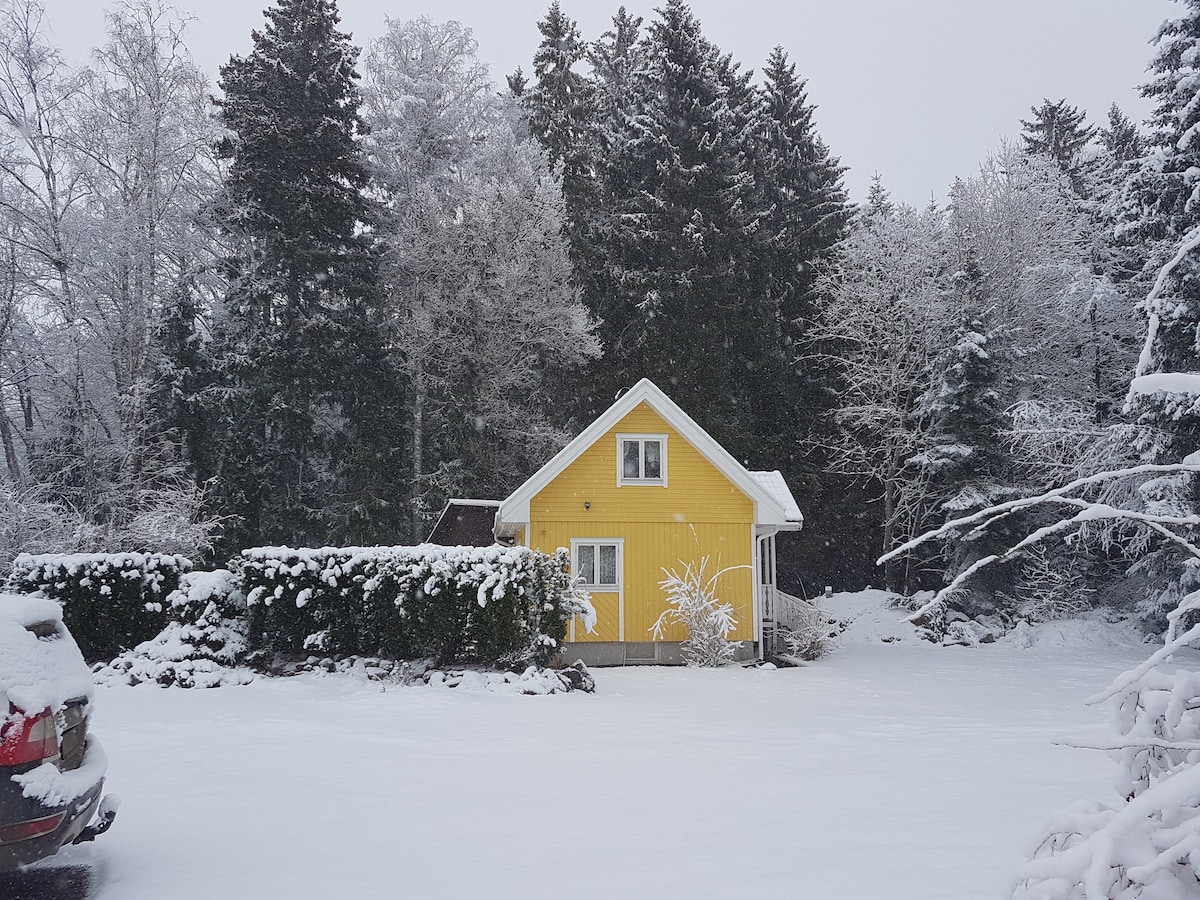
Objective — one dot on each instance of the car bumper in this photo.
(15, 807)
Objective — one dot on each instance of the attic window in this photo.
(642, 459)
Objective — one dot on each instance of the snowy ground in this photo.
(895, 770)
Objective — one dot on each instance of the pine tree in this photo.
(1057, 130)
(808, 208)
(560, 104)
(962, 459)
(1121, 138)
(1161, 210)
(879, 202)
(804, 214)
(517, 83)
(613, 58)
(965, 413)
(559, 100)
(676, 234)
(301, 377)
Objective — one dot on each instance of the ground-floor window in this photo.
(597, 562)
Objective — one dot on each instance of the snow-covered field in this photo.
(889, 770)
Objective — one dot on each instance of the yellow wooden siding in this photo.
(698, 513)
(608, 620)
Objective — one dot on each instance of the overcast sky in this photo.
(918, 90)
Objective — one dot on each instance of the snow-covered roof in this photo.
(37, 673)
(772, 482)
(768, 510)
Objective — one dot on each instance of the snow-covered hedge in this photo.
(110, 601)
(491, 605)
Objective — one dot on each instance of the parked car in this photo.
(51, 770)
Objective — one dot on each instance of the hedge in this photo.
(111, 601)
(496, 605)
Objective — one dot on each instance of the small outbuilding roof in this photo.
(772, 482)
(466, 523)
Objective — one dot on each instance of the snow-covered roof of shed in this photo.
(772, 482)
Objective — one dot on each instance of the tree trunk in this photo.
(893, 568)
(10, 449)
(418, 453)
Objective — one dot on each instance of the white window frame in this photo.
(619, 543)
(622, 480)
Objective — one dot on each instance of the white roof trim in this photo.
(514, 511)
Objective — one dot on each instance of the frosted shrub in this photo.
(694, 604)
(203, 642)
(807, 631)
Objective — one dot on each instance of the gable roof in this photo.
(768, 508)
(466, 523)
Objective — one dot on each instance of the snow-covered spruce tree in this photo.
(304, 392)
(613, 58)
(674, 229)
(1058, 130)
(560, 105)
(1161, 210)
(203, 641)
(961, 457)
(1122, 138)
(806, 208)
(1158, 230)
(803, 212)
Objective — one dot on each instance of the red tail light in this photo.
(26, 739)
(23, 831)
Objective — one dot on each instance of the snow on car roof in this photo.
(28, 610)
(38, 673)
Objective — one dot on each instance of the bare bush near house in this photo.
(693, 600)
(808, 632)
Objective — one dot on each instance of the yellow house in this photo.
(643, 489)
